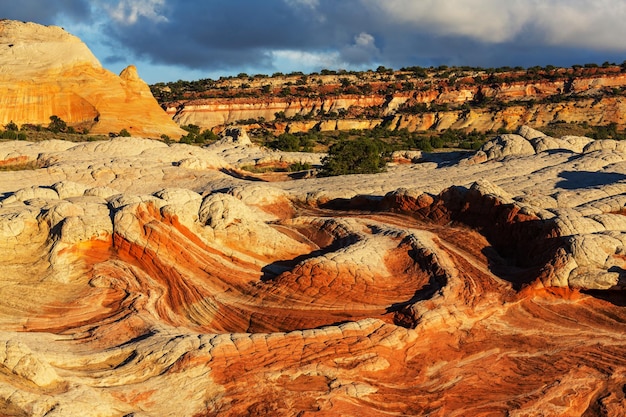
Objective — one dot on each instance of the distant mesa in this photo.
(46, 71)
(414, 99)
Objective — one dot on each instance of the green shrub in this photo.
(206, 136)
(424, 145)
(607, 132)
(194, 135)
(57, 125)
(124, 133)
(361, 156)
(437, 142)
(11, 126)
(195, 129)
(286, 142)
(9, 134)
(299, 166)
(188, 139)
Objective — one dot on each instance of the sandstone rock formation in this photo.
(45, 71)
(454, 98)
(143, 279)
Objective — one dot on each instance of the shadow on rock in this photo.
(573, 180)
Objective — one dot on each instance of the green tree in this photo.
(124, 133)
(206, 136)
(195, 129)
(11, 126)
(361, 156)
(57, 124)
(286, 142)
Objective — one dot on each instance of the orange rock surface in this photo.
(500, 100)
(135, 282)
(45, 71)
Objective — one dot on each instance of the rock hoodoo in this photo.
(45, 71)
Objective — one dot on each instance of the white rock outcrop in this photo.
(506, 145)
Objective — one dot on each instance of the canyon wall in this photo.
(210, 115)
(595, 98)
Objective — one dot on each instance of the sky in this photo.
(171, 40)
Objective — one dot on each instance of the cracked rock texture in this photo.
(143, 279)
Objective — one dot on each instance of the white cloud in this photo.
(128, 11)
(363, 51)
(364, 39)
(597, 25)
(360, 54)
(294, 60)
(486, 20)
(307, 8)
(579, 23)
(311, 4)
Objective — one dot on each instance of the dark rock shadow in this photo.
(516, 270)
(427, 292)
(241, 175)
(573, 180)
(615, 297)
(445, 159)
(276, 268)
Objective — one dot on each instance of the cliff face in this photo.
(592, 111)
(45, 71)
(461, 100)
(210, 113)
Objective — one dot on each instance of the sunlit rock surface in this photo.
(45, 71)
(144, 279)
(404, 99)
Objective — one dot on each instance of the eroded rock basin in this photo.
(222, 296)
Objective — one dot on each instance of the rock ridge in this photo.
(454, 98)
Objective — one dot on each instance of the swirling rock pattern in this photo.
(135, 283)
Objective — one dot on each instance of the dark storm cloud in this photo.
(264, 36)
(225, 34)
(44, 11)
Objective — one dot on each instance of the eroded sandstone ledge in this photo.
(431, 99)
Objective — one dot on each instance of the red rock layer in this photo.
(397, 310)
(590, 96)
